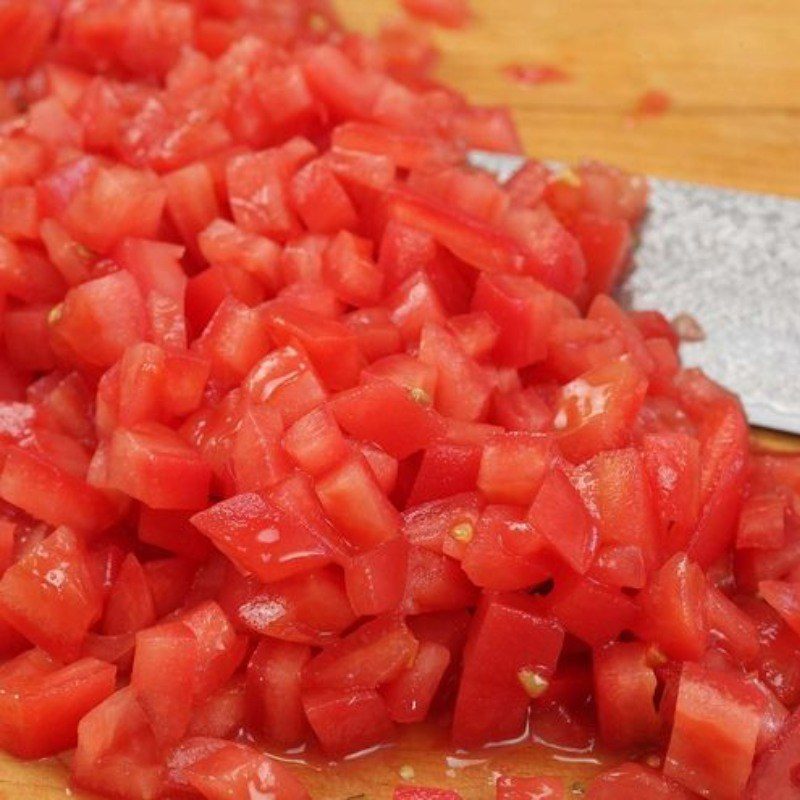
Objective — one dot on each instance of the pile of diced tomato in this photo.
(309, 431)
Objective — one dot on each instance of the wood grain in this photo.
(732, 69)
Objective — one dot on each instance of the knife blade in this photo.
(731, 260)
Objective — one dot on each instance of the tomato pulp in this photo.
(310, 432)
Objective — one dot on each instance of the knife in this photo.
(731, 260)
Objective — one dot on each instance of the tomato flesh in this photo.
(309, 429)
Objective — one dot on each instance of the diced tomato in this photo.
(513, 467)
(717, 719)
(625, 686)
(261, 537)
(775, 770)
(50, 595)
(376, 579)
(355, 504)
(435, 583)
(172, 531)
(42, 702)
(463, 389)
(594, 412)
(347, 721)
(673, 609)
(409, 696)
(236, 769)
(447, 469)
(510, 648)
(523, 311)
(620, 496)
(273, 691)
(117, 753)
(311, 608)
(129, 606)
(503, 551)
(381, 412)
(559, 514)
(163, 677)
(370, 656)
(86, 327)
(592, 611)
(220, 650)
(152, 463)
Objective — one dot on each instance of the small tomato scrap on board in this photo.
(309, 431)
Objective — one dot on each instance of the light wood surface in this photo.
(732, 69)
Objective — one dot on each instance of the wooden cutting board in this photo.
(732, 69)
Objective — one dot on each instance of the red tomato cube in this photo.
(50, 595)
(42, 702)
(153, 464)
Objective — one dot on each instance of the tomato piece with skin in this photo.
(514, 466)
(356, 506)
(463, 389)
(311, 608)
(776, 660)
(775, 770)
(129, 606)
(523, 310)
(153, 464)
(373, 654)
(220, 650)
(163, 677)
(236, 769)
(620, 495)
(274, 691)
(117, 753)
(172, 531)
(380, 411)
(435, 583)
(512, 787)
(261, 537)
(376, 579)
(42, 702)
(594, 412)
(409, 696)
(446, 469)
(509, 639)
(724, 445)
(49, 493)
(713, 741)
(347, 721)
(505, 552)
(672, 463)
(593, 612)
(560, 515)
(784, 597)
(624, 691)
(347, 267)
(331, 346)
(50, 595)
(423, 793)
(673, 609)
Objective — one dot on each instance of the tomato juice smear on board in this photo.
(310, 433)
